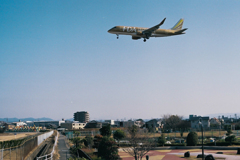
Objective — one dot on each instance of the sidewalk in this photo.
(63, 150)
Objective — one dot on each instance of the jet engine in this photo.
(135, 37)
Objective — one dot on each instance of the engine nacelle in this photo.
(135, 37)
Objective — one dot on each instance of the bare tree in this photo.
(140, 142)
(172, 121)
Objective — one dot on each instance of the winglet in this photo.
(162, 22)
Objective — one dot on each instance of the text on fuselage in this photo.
(129, 29)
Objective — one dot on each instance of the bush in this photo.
(161, 140)
(230, 139)
(192, 139)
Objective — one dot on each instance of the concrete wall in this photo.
(44, 136)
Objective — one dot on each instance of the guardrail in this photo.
(19, 149)
(50, 156)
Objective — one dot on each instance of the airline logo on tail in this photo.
(178, 25)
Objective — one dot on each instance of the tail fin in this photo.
(178, 25)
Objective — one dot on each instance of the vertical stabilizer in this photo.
(178, 25)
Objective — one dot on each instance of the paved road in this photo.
(62, 148)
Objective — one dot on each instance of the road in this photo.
(63, 150)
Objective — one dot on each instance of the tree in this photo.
(118, 135)
(230, 139)
(237, 126)
(139, 142)
(192, 139)
(77, 145)
(229, 132)
(3, 127)
(76, 133)
(106, 130)
(77, 142)
(162, 140)
(97, 139)
(88, 141)
(172, 121)
(184, 124)
(150, 128)
(108, 149)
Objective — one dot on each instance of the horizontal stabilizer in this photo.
(181, 31)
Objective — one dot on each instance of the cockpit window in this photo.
(114, 27)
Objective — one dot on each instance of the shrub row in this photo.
(175, 144)
(222, 143)
(11, 143)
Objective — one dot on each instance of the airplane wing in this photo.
(152, 29)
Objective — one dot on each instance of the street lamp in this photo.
(200, 123)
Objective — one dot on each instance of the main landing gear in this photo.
(144, 40)
(117, 36)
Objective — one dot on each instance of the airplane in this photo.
(146, 33)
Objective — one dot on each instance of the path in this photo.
(62, 148)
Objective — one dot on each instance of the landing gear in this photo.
(144, 40)
(117, 36)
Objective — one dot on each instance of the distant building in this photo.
(194, 119)
(111, 122)
(82, 117)
(30, 123)
(215, 123)
(18, 124)
(48, 124)
(93, 124)
(154, 123)
(73, 125)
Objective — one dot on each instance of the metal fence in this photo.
(70, 134)
(49, 156)
(19, 151)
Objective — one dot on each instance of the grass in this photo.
(11, 136)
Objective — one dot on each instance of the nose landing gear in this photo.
(117, 36)
(144, 40)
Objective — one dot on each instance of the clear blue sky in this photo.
(57, 58)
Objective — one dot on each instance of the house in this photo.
(19, 124)
(111, 122)
(155, 124)
(215, 123)
(194, 119)
(93, 124)
(73, 125)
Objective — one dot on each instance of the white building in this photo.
(73, 125)
(111, 122)
(17, 124)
